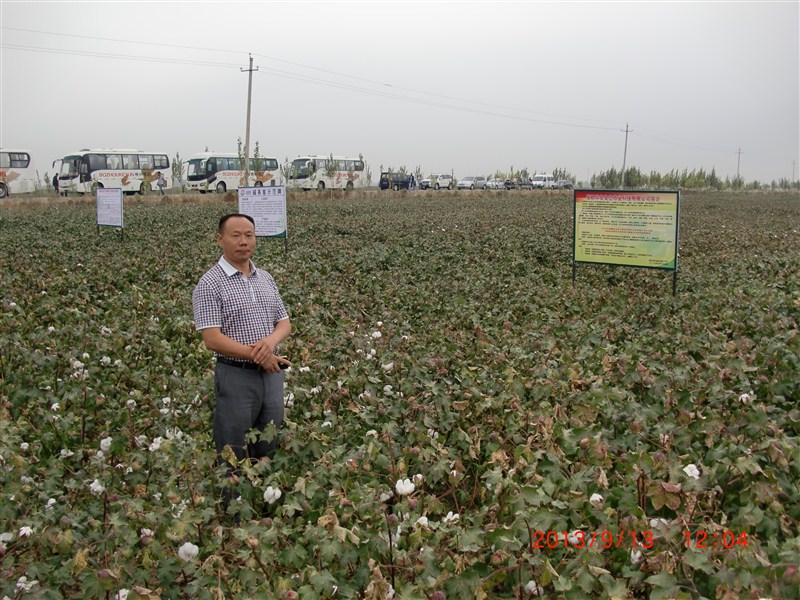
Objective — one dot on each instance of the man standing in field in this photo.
(240, 314)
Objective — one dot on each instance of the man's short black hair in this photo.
(224, 219)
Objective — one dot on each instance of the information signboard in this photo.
(267, 207)
(630, 228)
(109, 207)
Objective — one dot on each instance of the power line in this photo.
(68, 52)
(105, 39)
(663, 138)
(313, 68)
(352, 88)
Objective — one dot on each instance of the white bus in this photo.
(222, 171)
(321, 172)
(17, 174)
(132, 171)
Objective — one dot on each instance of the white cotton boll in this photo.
(96, 487)
(534, 589)
(422, 521)
(387, 367)
(654, 523)
(188, 552)
(105, 444)
(596, 500)
(404, 487)
(272, 494)
(26, 531)
(376, 335)
(636, 556)
(451, 517)
(692, 471)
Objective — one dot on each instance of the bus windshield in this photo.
(299, 168)
(196, 168)
(69, 166)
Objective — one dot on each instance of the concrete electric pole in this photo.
(247, 132)
(625, 154)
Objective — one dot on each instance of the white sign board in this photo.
(109, 207)
(267, 207)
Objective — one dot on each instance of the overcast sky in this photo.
(471, 87)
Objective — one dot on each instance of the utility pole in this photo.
(738, 161)
(247, 132)
(625, 154)
(793, 169)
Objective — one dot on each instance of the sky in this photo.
(464, 87)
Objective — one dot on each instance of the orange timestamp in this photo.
(595, 539)
(722, 539)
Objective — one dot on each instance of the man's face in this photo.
(238, 239)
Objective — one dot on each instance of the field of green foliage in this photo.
(461, 422)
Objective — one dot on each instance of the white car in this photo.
(471, 183)
(495, 184)
(543, 182)
(436, 182)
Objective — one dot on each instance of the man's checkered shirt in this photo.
(246, 309)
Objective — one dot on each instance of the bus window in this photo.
(211, 166)
(19, 160)
(114, 161)
(146, 161)
(161, 161)
(130, 161)
(96, 162)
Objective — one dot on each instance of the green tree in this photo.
(177, 169)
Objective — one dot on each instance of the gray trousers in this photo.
(246, 400)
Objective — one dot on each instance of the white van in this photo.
(543, 182)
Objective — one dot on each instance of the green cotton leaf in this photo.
(662, 580)
(699, 560)
(562, 584)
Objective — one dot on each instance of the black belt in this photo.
(251, 366)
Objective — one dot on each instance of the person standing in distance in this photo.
(160, 182)
(241, 316)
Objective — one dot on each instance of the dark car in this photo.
(519, 183)
(564, 184)
(397, 181)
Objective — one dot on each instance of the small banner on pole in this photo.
(109, 207)
(267, 207)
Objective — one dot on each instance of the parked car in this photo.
(397, 181)
(543, 182)
(471, 183)
(564, 184)
(437, 181)
(495, 184)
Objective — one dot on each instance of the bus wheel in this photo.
(349, 186)
(3, 190)
(142, 190)
(221, 187)
(258, 184)
(321, 186)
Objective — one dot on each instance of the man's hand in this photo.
(272, 363)
(262, 350)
